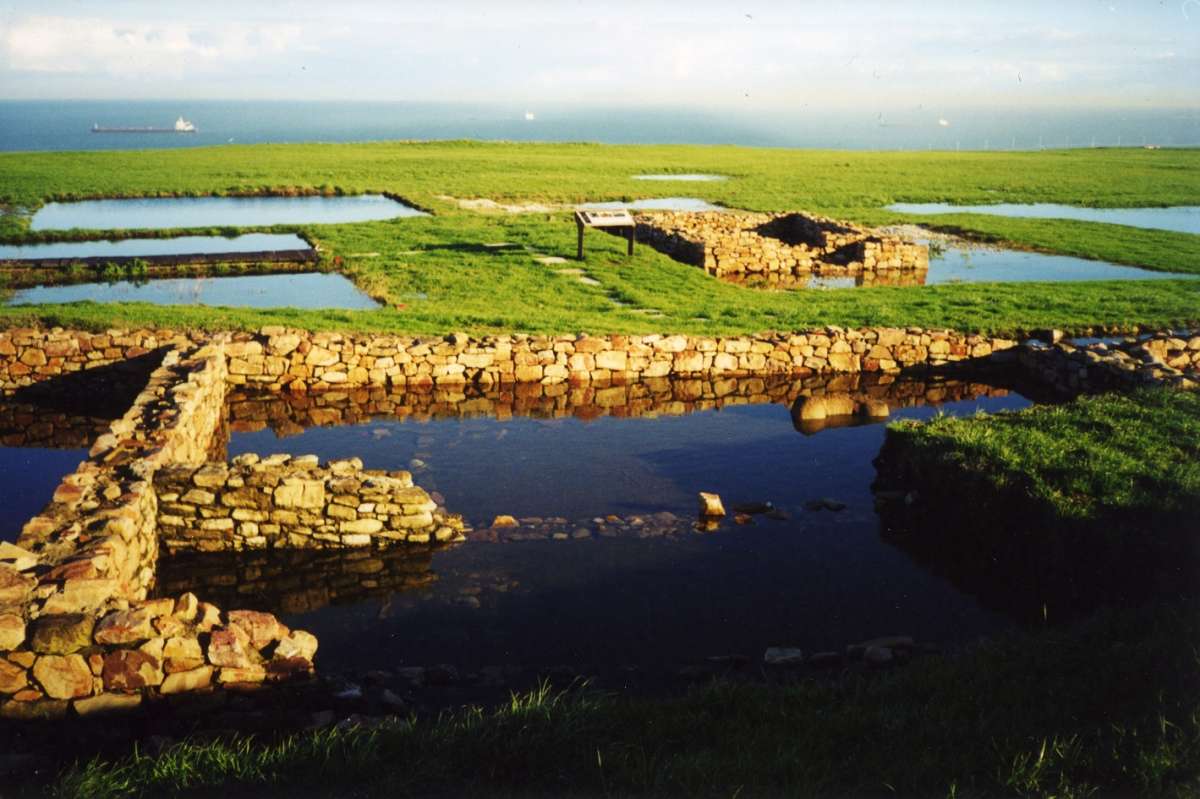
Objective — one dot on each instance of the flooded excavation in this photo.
(604, 563)
(1182, 219)
(303, 290)
(191, 212)
(180, 246)
(963, 264)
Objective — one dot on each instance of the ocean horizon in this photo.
(67, 125)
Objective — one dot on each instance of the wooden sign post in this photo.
(605, 219)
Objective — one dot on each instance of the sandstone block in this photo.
(61, 634)
(185, 681)
(104, 704)
(710, 505)
(130, 670)
(63, 676)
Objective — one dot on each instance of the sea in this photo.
(66, 125)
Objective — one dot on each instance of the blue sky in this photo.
(788, 55)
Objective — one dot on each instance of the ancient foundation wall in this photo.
(32, 355)
(1162, 359)
(281, 502)
(278, 358)
(728, 244)
(75, 629)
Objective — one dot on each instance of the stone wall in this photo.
(737, 244)
(1161, 359)
(291, 502)
(110, 660)
(97, 539)
(75, 630)
(33, 355)
(277, 358)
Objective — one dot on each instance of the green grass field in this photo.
(1107, 708)
(436, 274)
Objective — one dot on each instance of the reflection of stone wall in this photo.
(288, 414)
(297, 581)
(733, 243)
(30, 425)
(1163, 359)
(286, 502)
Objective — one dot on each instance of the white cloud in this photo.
(132, 49)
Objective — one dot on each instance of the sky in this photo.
(799, 55)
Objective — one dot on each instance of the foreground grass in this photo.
(437, 274)
(1114, 457)
(1108, 707)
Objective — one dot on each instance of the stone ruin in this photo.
(734, 245)
(77, 629)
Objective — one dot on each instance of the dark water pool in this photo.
(190, 212)
(304, 290)
(1184, 218)
(133, 248)
(606, 566)
(30, 475)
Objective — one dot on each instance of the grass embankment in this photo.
(437, 274)
(1109, 706)
(1121, 460)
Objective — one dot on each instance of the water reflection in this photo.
(303, 290)
(1184, 219)
(152, 213)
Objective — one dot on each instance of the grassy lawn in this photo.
(1108, 708)
(436, 274)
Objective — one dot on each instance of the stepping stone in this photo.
(570, 272)
(550, 260)
(587, 281)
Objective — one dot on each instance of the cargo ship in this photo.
(181, 126)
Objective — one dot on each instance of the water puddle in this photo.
(950, 264)
(606, 565)
(40, 443)
(659, 204)
(982, 265)
(192, 212)
(1183, 218)
(304, 290)
(686, 178)
(177, 246)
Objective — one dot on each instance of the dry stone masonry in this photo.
(736, 245)
(291, 502)
(1161, 359)
(76, 629)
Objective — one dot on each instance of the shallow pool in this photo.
(191, 212)
(134, 248)
(981, 265)
(303, 290)
(606, 566)
(1184, 218)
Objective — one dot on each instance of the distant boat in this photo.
(943, 122)
(181, 126)
(529, 117)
